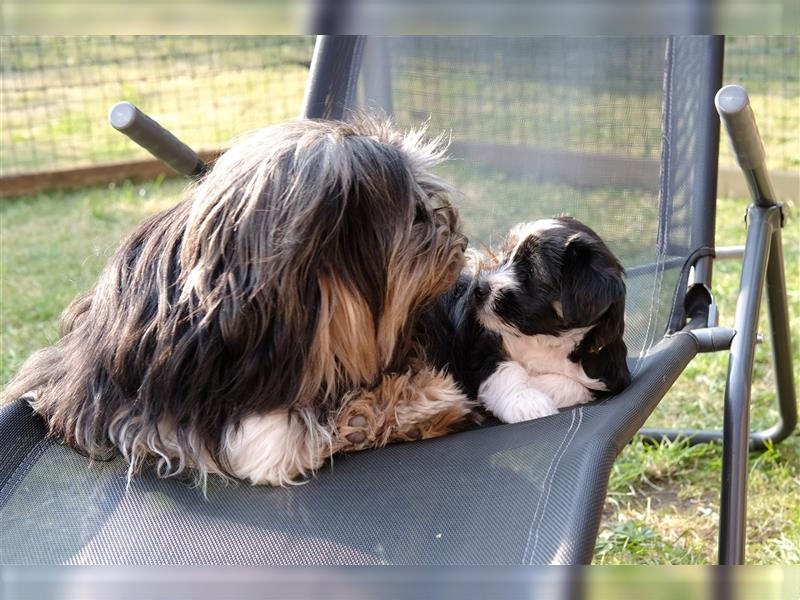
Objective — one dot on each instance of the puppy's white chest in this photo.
(549, 354)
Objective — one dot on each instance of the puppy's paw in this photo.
(526, 405)
(508, 395)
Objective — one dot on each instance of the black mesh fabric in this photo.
(530, 493)
(21, 437)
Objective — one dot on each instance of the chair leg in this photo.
(763, 264)
(764, 222)
(781, 340)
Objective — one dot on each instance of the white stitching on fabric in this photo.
(546, 487)
(550, 484)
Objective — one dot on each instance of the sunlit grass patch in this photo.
(690, 478)
(52, 247)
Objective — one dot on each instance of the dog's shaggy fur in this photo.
(266, 320)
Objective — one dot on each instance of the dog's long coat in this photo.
(266, 320)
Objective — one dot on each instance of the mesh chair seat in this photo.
(529, 493)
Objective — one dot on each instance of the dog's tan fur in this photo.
(415, 405)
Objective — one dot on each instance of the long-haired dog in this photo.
(267, 320)
(537, 328)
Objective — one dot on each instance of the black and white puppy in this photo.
(539, 328)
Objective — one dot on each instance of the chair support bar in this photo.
(153, 137)
(763, 264)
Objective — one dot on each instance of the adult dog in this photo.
(266, 321)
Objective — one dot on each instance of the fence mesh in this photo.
(56, 92)
(769, 67)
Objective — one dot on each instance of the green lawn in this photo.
(663, 503)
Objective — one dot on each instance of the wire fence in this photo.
(769, 68)
(56, 92)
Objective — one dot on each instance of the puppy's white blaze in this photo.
(501, 280)
(275, 448)
(507, 393)
(525, 230)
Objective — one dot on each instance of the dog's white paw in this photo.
(525, 405)
(508, 395)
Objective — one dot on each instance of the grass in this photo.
(44, 263)
(663, 502)
(56, 92)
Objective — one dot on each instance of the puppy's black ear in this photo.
(593, 289)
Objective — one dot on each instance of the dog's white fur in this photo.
(538, 379)
(502, 279)
(523, 231)
(276, 448)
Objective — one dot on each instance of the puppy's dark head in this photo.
(554, 276)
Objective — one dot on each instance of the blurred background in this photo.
(209, 89)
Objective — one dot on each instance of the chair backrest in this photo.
(618, 132)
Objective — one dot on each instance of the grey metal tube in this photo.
(705, 180)
(735, 444)
(733, 105)
(763, 262)
(763, 240)
(332, 79)
(757, 442)
(780, 335)
(376, 73)
(729, 252)
(150, 135)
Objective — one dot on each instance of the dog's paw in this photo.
(359, 428)
(524, 405)
(508, 395)
(358, 423)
